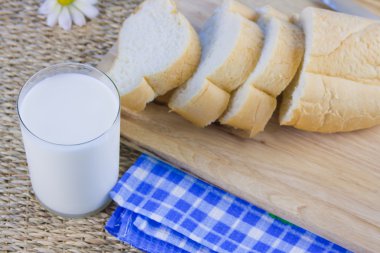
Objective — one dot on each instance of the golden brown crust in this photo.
(358, 56)
(331, 104)
(173, 76)
(241, 9)
(137, 99)
(268, 80)
(204, 107)
(254, 113)
(285, 59)
(338, 87)
(211, 94)
(164, 99)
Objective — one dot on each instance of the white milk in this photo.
(71, 126)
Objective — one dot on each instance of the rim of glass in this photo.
(59, 65)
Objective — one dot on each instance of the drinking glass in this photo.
(72, 180)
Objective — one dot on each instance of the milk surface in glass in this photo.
(70, 122)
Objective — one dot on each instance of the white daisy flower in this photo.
(65, 12)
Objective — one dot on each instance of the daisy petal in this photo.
(88, 1)
(52, 17)
(77, 16)
(47, 7)
(65, 19)
(86, 8)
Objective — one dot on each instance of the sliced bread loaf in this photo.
(158, 50)
(253, 104)
(338, 87)
(231, 45)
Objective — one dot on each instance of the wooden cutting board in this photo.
(328, 184)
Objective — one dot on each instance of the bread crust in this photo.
(269, 79)
(204, 107)
(137, 98)
(176, 74)
(241, 9)
(283, 63)
(338, 87)
(164, 99)
(254, 113)
(331, 104)
(208, 104)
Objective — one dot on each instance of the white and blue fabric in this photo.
(162, 209)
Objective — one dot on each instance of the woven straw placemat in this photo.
(26, 46)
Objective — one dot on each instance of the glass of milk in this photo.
(70, 122)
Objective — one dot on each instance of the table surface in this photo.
(27, 45)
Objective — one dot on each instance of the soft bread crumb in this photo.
(254, 102)
(231, 46)
(157, 47)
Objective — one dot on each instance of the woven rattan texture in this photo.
(27, 45)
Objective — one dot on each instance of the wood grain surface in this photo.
(328, 184)
(371, 5)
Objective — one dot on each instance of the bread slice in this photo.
(254, 102)
(338, 87)
(250, 109)
(158, 50)
(231, 46)
(229, 5)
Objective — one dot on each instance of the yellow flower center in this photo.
(65, 2)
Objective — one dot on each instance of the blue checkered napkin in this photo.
(121, 226)
(162, 209)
